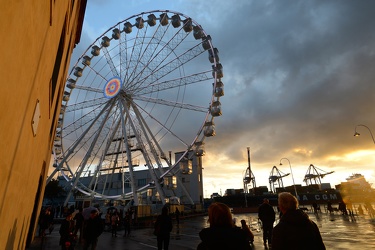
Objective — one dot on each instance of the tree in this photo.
(53, 191)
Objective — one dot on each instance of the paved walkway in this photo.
(183, 236)
(338, 232)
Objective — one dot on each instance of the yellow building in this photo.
(37, 39)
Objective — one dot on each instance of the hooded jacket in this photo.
(296, 231)
(223, 238)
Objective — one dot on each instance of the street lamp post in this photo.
(290, 166)
(358, 134)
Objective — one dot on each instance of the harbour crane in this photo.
(315, 175)
(275, 179)
(249, 178)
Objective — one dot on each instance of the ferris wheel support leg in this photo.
(68, 197)
(87, 156)
(52, 174)
(124, 110)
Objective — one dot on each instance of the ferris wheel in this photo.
(149, 84)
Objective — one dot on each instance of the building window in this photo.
(141, 182)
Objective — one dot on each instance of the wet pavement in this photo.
(339, 232)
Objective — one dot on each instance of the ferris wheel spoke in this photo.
(110, 62)
(154, 143)
(174, 83)
(164, 127)
(124, 62)
(163, 53)
(86, 104)
(148, 52)
(135, 54)
(172, 65)
(89, 89)
(85, 132)
(83, 121)
(172, 104)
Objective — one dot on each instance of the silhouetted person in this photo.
(177, 213)
(249, 234)
(127, 220)
(114, 223)
(163, 226)
(79, 223)
(222, 234)
(295, 231)
(93, 229)
(329, 207)
(315, 206)
(66, 233)
(342, 208)
(267, 215)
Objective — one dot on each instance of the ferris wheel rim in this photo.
(207, 116)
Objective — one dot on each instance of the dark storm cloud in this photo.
(298, 74)
(298, 77)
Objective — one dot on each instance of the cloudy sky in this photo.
(299, 76)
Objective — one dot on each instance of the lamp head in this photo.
(356, 133)
(280, 163)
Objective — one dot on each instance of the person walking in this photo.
(249, 234)
(295, 230)
(177, 213)
(79, 223)
(222, 234)
(114, 223)
(66, 233)
(93, 229)
(127, 224)
(267, 215)
(163, 228)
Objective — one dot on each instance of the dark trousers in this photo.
(90, 242)
(163, 238)
(267, 232)
(114, 230)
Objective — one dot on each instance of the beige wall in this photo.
(30, 34)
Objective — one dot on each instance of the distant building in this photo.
(37, 41)
(188, 177)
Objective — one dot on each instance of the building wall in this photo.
(193, 182)
(113, 184)
(37, 40)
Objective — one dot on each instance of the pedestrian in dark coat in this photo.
(163, 228)
(79, 223)
(295, 230)
(93, 228)
(222, 234)
(177, 213)
(267, 215)
(66, 233)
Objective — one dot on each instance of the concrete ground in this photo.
(183, 236)
(338, 232)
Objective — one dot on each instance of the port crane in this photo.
(315, 175)
(249, 178)
(276, 179)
